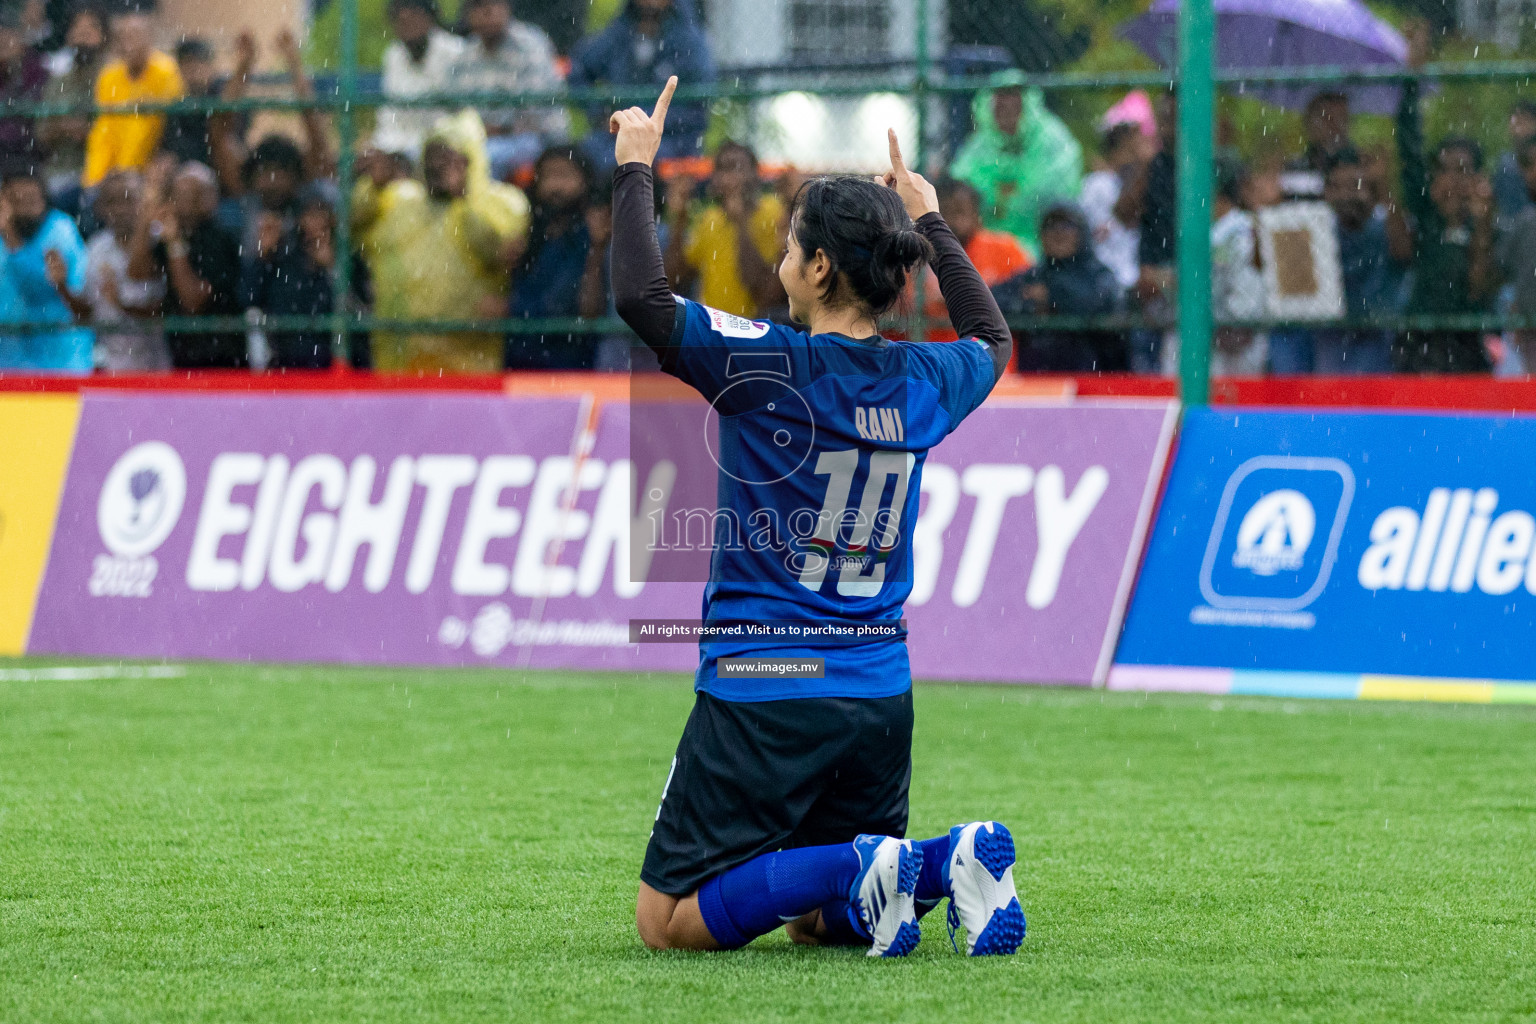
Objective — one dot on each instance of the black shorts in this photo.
(751, 778)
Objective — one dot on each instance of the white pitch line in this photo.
(78, 673)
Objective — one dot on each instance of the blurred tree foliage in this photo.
(373, 33)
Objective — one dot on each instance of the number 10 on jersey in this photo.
(872, 530)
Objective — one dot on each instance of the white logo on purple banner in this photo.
(494, 629)
(141, 499)
(139, 505)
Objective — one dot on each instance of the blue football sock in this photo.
(842, 925)
(767, 891)
(930, 884)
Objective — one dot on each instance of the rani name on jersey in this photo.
(879, 423)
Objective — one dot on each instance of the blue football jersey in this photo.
(820, 441)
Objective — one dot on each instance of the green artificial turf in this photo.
(281, 844)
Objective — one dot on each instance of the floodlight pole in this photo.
(1196, 165)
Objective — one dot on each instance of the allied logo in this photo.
(1275, 534)
(141, 500)
(1274, 541)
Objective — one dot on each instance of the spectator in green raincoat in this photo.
(1021, 158)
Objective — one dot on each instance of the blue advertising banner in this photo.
(1334, 554)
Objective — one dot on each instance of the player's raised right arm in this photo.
(641, 292)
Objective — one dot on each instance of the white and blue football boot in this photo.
(883, 893)
(978, 876)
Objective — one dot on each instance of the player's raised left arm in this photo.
(641, 291)
(972, 309)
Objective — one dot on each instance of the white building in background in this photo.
(1501, 22)
(833, 41)
(752, 33)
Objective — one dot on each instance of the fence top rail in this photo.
(333, 98)
(330, 323)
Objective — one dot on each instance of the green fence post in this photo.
(919, 155)
(341, 275)
(1197, 28)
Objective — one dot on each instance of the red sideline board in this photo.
(1451, 392)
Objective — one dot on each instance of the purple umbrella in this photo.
(1285, 33)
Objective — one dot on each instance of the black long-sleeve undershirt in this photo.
(641, 292)
(972, 309)
(644, 297)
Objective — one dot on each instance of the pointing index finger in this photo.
(896, 162)
(664, 101)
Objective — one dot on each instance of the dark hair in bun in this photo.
(866, 233)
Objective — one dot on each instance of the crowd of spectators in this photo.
(1439, 238)
(114, 222)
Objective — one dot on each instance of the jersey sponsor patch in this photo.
(733, 326)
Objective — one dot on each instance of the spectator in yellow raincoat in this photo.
(140, 74)
(441, 248)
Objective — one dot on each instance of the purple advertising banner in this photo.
(488, 530)
(1027, 542)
